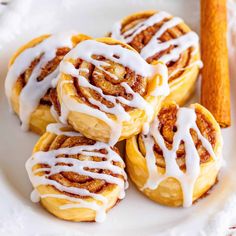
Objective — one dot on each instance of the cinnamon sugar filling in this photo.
(143, 38)
(167, 126)
(105, 82)
(71, 179)
(46, 70)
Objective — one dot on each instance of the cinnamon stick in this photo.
(215, 90)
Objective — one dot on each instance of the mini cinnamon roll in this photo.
(32, 76)
(178, 160)
(107, 92)
(160, 36)
(75, 178)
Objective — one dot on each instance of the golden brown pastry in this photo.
(32, 77)
(160, 36)
(178, 159)
(75, 178)
(107, 91)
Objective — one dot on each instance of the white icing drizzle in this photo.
(129, 35)
(197, 63)
(186, 120)
(100, 202)
(154, 46)
(56, 128)
(34, 90)
(35, 196)
(125, 57)
(182, 43)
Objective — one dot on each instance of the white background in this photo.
(135, 215)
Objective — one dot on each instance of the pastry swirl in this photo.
(160, 36)
(76, 178)
(32, 75)
(107, 91)
(178, 160)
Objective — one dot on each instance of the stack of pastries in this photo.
(84, 95)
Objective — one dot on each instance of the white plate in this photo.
(135, 215)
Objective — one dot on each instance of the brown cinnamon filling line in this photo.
(72, 179)
(143, 38)
(106, 82)
(167, 127)
(45, 71)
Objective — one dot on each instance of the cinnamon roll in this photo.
(107, 92)
(160, 36)
(75, 178)
(32, 77)
(178, 159)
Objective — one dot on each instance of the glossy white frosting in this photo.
(34, 90)
(99, 203)
(125, 57)
(186, 120)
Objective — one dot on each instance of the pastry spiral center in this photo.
(79, 168)
(110, 80)
(160, 37)
(180, 139)
(35, 68)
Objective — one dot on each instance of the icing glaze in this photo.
(125, 57)
(34, 90)
(186, 120)
(77, 166)
(197, 63)
(129, 35)
(56, 128)
(154, 46)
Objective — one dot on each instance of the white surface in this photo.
(135, 215)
